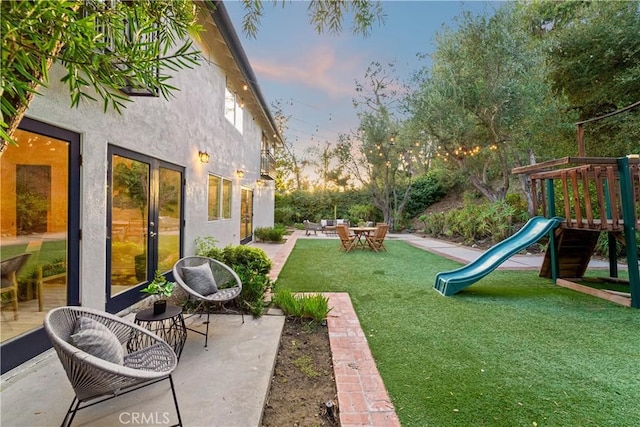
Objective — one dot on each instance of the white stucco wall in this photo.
(172, 131)
(264, 204)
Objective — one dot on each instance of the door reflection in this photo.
(34, 229)
(129, 223)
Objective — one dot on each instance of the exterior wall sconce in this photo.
(240, 173)
(204, 156)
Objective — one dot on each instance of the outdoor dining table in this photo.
(360, 232)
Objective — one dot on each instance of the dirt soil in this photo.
(448, 203)
(303, 380)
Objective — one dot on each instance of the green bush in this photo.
(425, 191)
(312, 307)
(519, 204)
(254, 258)
(360, 212)
(251, 264)
(206, 246)
(285, 215)
(269, 234)
(433, 223)
(602, 245)
(495, 221)
(296, 206)
(254, 287)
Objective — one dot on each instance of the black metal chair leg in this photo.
(66, 422)
(206, 334)
(175, 400)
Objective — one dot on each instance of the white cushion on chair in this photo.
(200, 279)
(96, 339)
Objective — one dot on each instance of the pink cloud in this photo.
(317, 68)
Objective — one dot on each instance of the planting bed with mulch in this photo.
(303, 379)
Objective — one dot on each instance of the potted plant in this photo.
(163, 288)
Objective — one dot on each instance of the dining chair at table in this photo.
(347, 241)
(376, 240)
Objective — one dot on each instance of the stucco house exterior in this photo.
(100, 200)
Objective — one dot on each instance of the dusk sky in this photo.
(314, 75)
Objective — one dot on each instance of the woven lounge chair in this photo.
(9, 270)
(376, 240)
(347, 241)
(226, 286)
(95, 379)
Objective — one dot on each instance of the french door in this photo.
(144, 221)
(40, 228)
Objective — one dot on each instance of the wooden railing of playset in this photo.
(591, 190)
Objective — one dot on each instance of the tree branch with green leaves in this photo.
(103, 47)
(324, 15)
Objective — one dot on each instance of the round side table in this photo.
(169, 326)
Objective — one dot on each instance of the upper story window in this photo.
(233, 107)
(267, 159)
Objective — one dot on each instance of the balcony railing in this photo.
(267, 165)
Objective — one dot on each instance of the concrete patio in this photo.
(223, 385)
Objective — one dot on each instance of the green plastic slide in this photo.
(451, 282)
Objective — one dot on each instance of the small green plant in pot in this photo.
(161, 287)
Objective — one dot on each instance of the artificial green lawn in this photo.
(510, 350)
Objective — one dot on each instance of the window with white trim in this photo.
(233, 107)
(219, 200)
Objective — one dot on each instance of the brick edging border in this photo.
(362, 397)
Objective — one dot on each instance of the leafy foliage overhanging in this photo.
(103, 47)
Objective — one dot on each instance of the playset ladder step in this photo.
(575, 249)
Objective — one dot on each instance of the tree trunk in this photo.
(525, 182)
(488, 192)
(480, 182)
(399, 207)
(526, 188)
